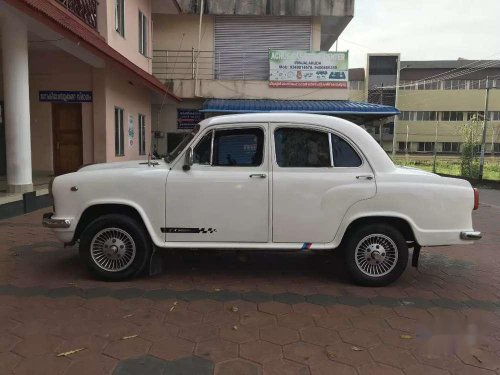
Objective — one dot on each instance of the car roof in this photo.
(367, 144)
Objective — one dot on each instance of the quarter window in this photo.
(343, 154)
(238, 147)
(119, 132)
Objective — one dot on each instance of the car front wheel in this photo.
(115, 247)
(376, 254)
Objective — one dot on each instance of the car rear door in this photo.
(316, 176)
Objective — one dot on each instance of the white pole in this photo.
(17, 105)
(196, 91)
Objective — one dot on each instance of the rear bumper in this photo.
(470, 235)
(49, 222)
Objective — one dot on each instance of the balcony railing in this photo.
(86, 10)
(189, 64)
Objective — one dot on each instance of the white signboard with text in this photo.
(292, 68)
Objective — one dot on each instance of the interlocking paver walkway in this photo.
(214, 312)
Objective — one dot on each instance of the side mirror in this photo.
(188, 160)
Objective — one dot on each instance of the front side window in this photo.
(120, 17)
(119, 149)
(238, 147)
(143, 34)
(142, 134)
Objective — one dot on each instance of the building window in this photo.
(356, 85)
(143, 34)
(426, 116)
(425, 146)
(451, 147)
(401, 146)
(142, 134)
(475, 116)
(452, 116)
(496, 147)
(494, 116)
(119, 151)
(120, 17)
(432, 85)
(407, 116)
(455, 84)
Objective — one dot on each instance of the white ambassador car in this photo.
(270, 181)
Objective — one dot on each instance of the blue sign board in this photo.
(188, 118)
(65, 96)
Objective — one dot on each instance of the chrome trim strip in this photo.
(470, 235)
(48, 222)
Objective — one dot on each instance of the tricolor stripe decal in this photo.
(306, 246)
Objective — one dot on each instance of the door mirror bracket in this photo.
(188, 160)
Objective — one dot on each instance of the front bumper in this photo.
(470, 235)
(48, 222)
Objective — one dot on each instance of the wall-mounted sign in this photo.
(293, 68)
(188, 118)
(65, 96)
(131, 130)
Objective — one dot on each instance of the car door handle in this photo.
(365, 177)
(258, 175)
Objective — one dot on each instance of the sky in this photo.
(423, 30)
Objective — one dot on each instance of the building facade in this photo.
(77, 85)
(435, 99)
(224, 56)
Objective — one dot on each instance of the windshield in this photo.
(180, 147)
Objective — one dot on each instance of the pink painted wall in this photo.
(128, 45)
(134, 99)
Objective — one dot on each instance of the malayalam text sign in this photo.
(292, 68)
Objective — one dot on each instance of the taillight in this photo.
(476, 199)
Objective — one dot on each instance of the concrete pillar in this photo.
(17, 105)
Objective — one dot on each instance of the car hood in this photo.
(122, 165)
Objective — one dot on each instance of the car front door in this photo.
(316, 176)
(224, 196)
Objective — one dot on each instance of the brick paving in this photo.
(216, 312)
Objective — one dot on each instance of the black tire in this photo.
(388, 267)
(126, 226)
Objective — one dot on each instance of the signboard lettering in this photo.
(188, 118)
(65, 96)
(292, 68)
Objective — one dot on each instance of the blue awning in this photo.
(341, 108)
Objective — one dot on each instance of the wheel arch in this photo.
(99, 209)
(401, 224)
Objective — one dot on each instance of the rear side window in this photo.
(301, 148)
(238, 147)
(343, 154)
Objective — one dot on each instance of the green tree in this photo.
(471, 135)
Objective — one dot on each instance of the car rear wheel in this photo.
(376, 254)
(115, 247)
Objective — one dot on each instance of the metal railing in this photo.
(190, 64)
(86, 10)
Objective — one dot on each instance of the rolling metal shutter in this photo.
(242, 43)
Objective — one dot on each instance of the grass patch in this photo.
(450, 167)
